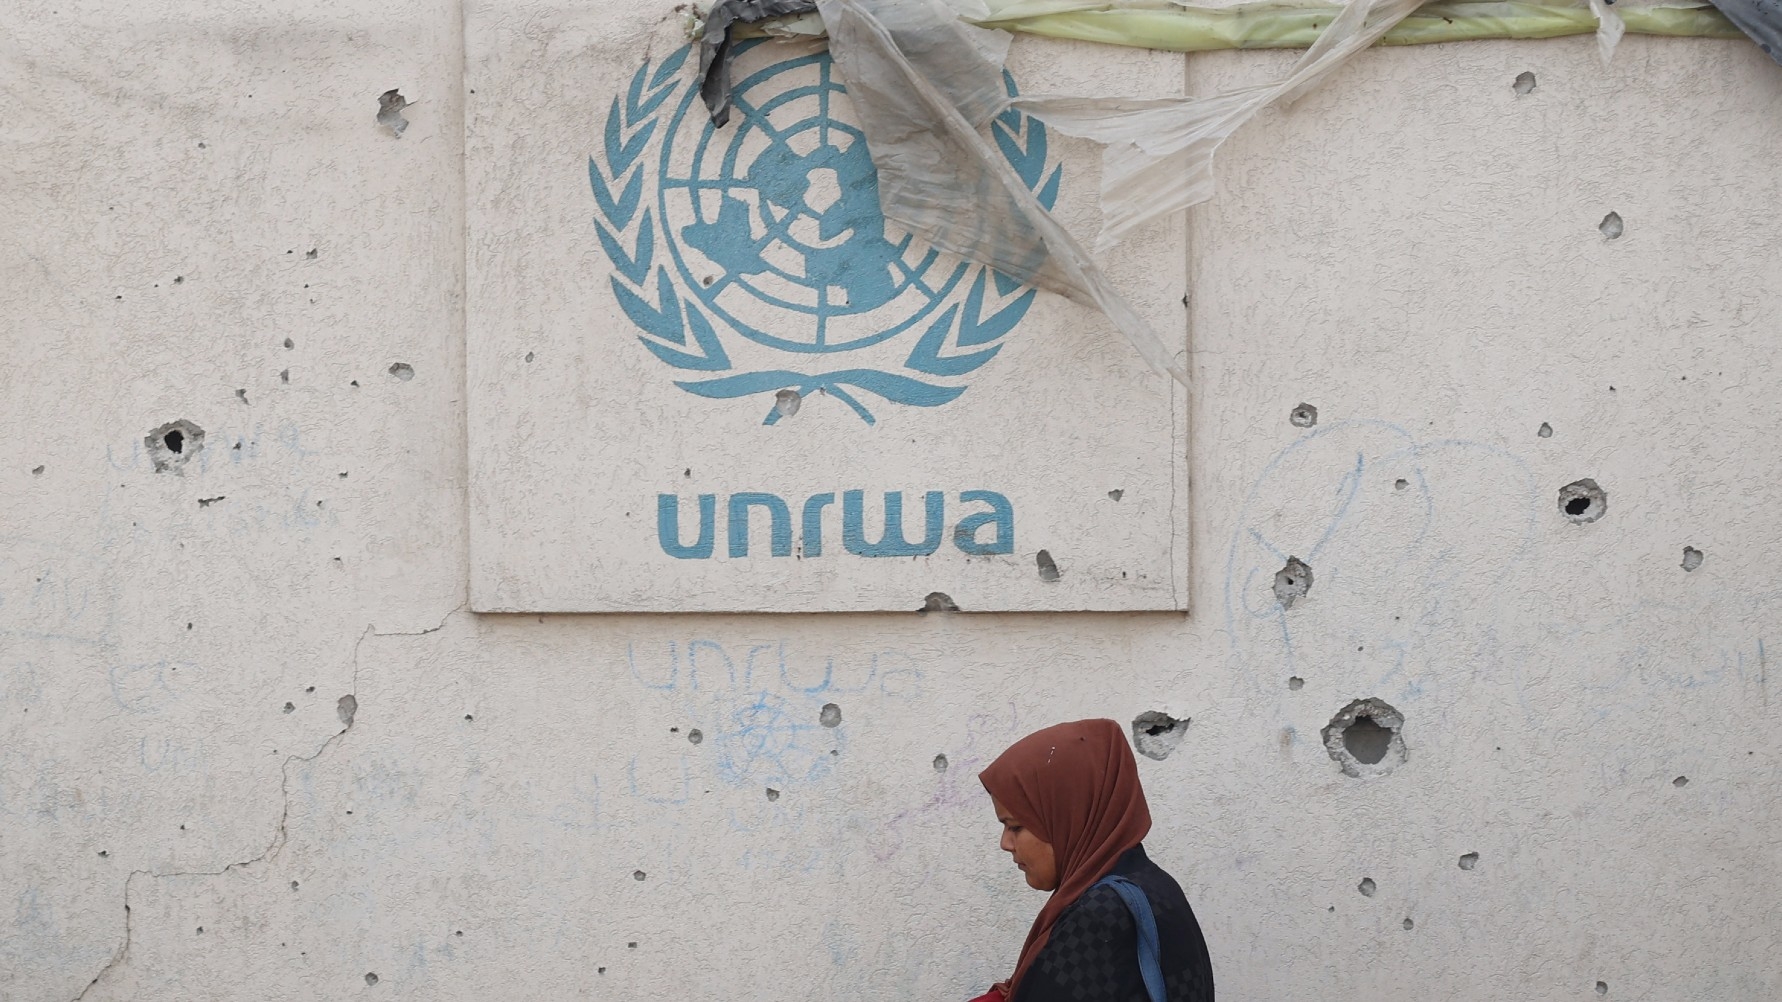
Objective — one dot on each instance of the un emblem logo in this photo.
(759, 260)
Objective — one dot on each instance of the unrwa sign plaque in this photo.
(711, 376)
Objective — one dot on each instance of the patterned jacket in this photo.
(1092, 954)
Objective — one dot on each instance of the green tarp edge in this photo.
(1181, 28)
(1189, 29)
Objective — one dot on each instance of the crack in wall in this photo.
(279, 837)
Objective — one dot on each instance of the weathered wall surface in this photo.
(205, 224)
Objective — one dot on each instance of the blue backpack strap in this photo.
(1145, 921)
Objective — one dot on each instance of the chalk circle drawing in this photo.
(1400, 531)
(768, 235)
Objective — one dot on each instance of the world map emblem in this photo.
(755, 259)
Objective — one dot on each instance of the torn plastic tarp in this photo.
(1609, 28)
(1761, 19)
(1159, 153)
(714, 49)
(923, 87)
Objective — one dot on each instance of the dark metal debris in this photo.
(715, 49)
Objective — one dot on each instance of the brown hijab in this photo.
(1075, 786)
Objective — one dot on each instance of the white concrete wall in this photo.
(516, 811)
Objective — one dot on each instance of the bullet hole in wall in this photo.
(1611, 226)
(829, 715)
(468, 718)
(639, 876)
(529, 356)
(940, 763)
(1116, 495)
(1583, 502)
(1524, 84)
(346, 708)
(1048, 568)
(1365, 738)
(1692, 558)
(290, 707)
(938, 601)
(389, 111)
(312, 254)
(1292, 582)
(1296, 683)
(1680, 782)
(172, 445)
(290, 343)
(1400, 484)
(1409, 925)
(772, 795)
(370, 978)
(1155, 734)
(695, 736)
(1304, 416)
(1602, 988)
(293, 885)
(1366, 887)
(1469, 861)
(402, 371)
(241, 395)
(284, 375)
(1367, 741)
(1545, 431)
(787, 402)
(37, 471)
(207, 502)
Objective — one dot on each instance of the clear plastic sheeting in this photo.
(925, 83)
(923, 86)
(1609, 29)
(1159, 155)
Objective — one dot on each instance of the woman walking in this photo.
(1117, 928)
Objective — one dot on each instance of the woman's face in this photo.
(1034, 857)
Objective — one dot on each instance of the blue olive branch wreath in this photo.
(674, 328)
